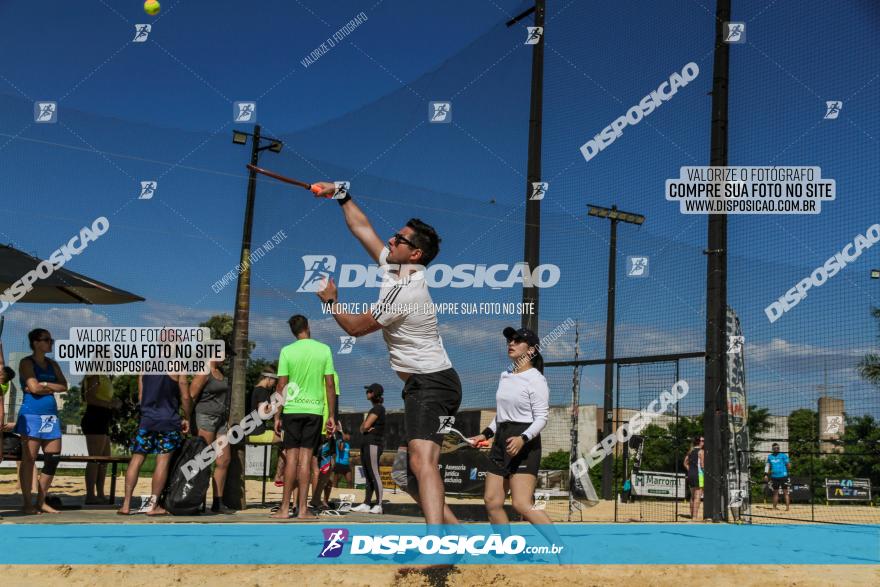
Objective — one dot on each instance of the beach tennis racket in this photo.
(285, 179)
(454, 440)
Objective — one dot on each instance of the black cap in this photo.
(377, 389)
(523, 334)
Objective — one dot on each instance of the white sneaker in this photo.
(361, 509)
(376, 509)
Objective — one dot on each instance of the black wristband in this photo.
(329, 304)
(488, 433)
(524, 437)
(346, 199)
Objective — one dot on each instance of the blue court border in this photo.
(299, 543)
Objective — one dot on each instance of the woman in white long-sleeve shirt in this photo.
(521, 414)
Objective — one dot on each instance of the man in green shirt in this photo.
(305, 376)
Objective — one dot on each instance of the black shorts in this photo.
(778, 483)
(341, 469)
(427, 398)
(301, 430)
(96, 420)
(527, 460)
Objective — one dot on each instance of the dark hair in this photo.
(298, 324)
(697, 440)
(538, 362)
(9, 372)
(424, 238)
(36, 334)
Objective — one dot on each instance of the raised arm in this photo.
(357, 221)
(353, 324)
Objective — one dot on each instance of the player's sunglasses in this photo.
(399, 238)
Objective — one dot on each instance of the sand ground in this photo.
(71, 489)
(462, 576)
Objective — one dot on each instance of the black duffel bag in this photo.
(182, 496)
(12, 445)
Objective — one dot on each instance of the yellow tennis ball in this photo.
(151, 7)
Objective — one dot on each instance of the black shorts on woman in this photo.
(526, 461)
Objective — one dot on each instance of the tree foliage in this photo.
(869, 367)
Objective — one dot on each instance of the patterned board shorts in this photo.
(151, 443)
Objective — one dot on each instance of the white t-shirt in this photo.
(409, 325)
(522, 397)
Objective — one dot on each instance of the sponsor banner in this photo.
(737, 420)
(411, 544)
(657, 484)
(464, 471)
(255, 460)
(385, 477)
(800, 489)
(848, 489)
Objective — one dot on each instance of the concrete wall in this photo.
(778, 430)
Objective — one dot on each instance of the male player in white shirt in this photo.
(405, 314)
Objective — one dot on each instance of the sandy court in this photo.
(462, 576)
(70, 488)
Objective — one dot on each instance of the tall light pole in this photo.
(715, 428)
(532, 245)
(615, 216)
(234, 494)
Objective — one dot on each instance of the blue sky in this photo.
(163, 110)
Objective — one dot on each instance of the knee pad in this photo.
(50, 463)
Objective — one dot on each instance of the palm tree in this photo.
(869, 367)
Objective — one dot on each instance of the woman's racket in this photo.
(314, 189)
(454, 440)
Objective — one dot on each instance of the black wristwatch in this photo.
(524, 437)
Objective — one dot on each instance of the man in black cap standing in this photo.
(373, 429)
